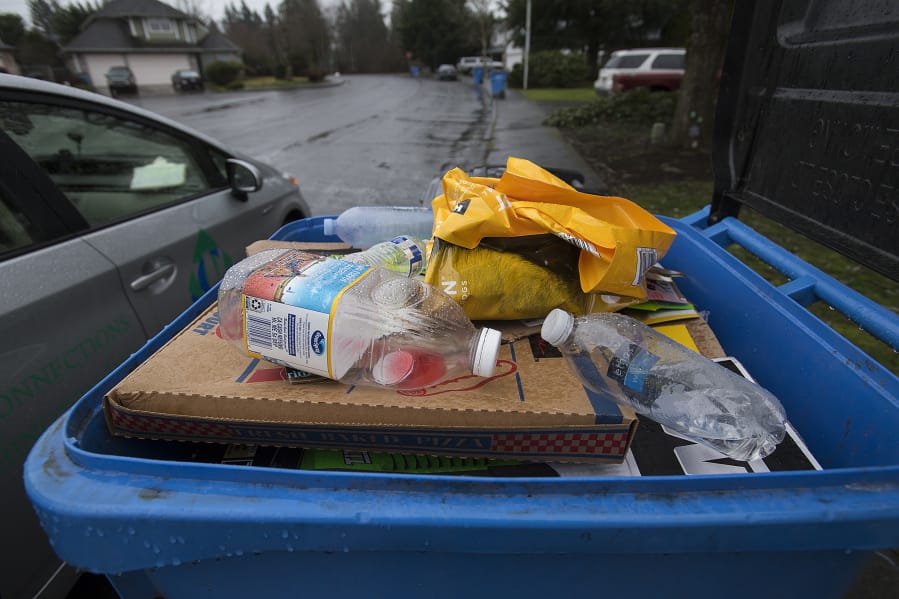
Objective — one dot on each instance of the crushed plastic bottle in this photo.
(634, 365)
(404, 255)
(357, 324)
(364, 226)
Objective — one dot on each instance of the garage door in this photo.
(156, 69)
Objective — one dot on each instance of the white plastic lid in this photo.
(328, 226)
(557, 326)
(393, 368)
(486, 352)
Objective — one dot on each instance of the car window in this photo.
(668, 61)
(110, 168)
(627, 61)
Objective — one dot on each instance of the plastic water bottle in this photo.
(350, 322)
(634, 365)
(364, 226)
(404, 255)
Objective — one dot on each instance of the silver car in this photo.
(112, 221)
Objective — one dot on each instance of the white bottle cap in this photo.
(393, 368)
(328, 226)
(486, 352)
(557, 326)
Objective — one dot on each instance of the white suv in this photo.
(467, 63)
(659, 61)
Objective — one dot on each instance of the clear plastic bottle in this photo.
(350, 322)
(364, 226)
(634, 365)
(404, 255)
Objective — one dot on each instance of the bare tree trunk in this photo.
(695, 112)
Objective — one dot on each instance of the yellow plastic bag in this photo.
(618, 241)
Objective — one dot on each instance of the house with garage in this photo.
(149, 37)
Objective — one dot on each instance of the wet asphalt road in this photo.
(376, 139)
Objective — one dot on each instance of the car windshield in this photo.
(118, 71)
(627, 61)
(189, 74)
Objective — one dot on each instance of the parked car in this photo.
(446, 72)
(187, 79)
(658, 80)
(667, 62)
(112, 221)
(120, 81)
(467, 63)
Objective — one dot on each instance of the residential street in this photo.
(375, 139)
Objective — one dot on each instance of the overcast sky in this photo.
(212, 8)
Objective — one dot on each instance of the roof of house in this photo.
(138, 8)
(108, 35)
(108, 31)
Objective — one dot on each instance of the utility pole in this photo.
(527, 42)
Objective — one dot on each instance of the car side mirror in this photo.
(243, 177)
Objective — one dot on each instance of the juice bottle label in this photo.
(412, 253)
(288, 307)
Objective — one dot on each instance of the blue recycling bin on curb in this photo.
(157, 522)
(159, 525)
(414, 70)
(498, 83)
(477, 73)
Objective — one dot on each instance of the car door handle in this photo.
(144, 281)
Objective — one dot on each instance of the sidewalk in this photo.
(517, 131)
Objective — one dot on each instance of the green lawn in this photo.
(685, 197)
(579, 94)
(269, 82)
(253, 83)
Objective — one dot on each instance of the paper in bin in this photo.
(159, 174)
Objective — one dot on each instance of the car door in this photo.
(65, 322)
(155, 200)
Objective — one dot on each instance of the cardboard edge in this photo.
(453, 441)
(116, 396)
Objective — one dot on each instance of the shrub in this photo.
(639, 106)
(315, 75)
(550, 68)
(234, 85)
(223, 73)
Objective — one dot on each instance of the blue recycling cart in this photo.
(159, 525)
(498, 83)
(477, 73)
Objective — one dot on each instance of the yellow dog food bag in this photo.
(614, 243)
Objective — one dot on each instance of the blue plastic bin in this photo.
(160, 527)
(477, 73)
(788, 128)
(498, 84)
